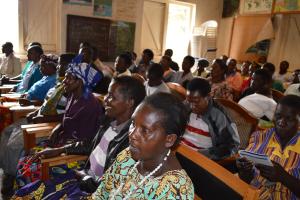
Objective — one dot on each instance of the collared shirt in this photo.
(179, 78)
(267, 142)
(98, 155)
(10, 65)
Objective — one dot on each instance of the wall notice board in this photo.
(110, 37)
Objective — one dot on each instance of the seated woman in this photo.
(37, 93)
(281, 144)
(125, 93)
(82, 108)
(219, 87)
(148, 169)
(209, 131)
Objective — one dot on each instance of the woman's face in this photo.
(71, 83)
(147, 138)
(114, 102)
(216, 72)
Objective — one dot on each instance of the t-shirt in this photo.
(293, 89)
(197, 133)
(178, 78)
(259, 105)
(160, 88)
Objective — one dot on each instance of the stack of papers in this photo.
(256, 158)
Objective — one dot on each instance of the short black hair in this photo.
(133, 55)
(156, 70)
(269, 66)
(190, 59)
(291, 101)
(199, 85)
(8, 45)
(264, 74)
(67, 57)
(222, 64)
(149, 53)
(175, 117)
(203, 62)
(131, 88)
(37, 49)
(169, 52)
(127, 58)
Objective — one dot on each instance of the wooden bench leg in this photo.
(29, 141)
(45, 171)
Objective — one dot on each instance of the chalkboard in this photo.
(92, 30)
(111, 38)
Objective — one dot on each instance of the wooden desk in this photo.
(6, 88)
(12, 95)
(21, 111)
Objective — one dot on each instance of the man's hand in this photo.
(48, 153)
(273, 173)
(245, 168)
(24, 102)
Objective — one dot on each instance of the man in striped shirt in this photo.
(210, 131)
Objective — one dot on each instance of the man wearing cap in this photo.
(9, 64)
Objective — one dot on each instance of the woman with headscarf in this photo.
(82, 109)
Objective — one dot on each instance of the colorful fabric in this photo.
(221, 90)
(39, 90)
(267, 142)
(89, 76)
(197, 133)
(173, 184)
(49, 59)
(55, 102)
(29, 171)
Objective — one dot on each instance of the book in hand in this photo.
(256, 158)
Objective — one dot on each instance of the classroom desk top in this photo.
(6, 88)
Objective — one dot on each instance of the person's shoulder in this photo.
(180, 180)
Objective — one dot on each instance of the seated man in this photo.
(173, 65)
(261, 103)
(122, 64)
(276, 84)
(155, 81)
(282, 145)
(33, 73)
(209, 130)
(183, 77)
(125, 94)
(9, 65)
(145, 62)
(169, 74)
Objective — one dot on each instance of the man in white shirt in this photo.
(155, 81)
(261, 103)
(9, 64)
(182, 77)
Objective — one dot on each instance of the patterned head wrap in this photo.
(49, 59)
(89, 76)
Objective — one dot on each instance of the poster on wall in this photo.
(286, 6)
(103, 8)
(256, 7)
(121, 38)
(78, 2)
